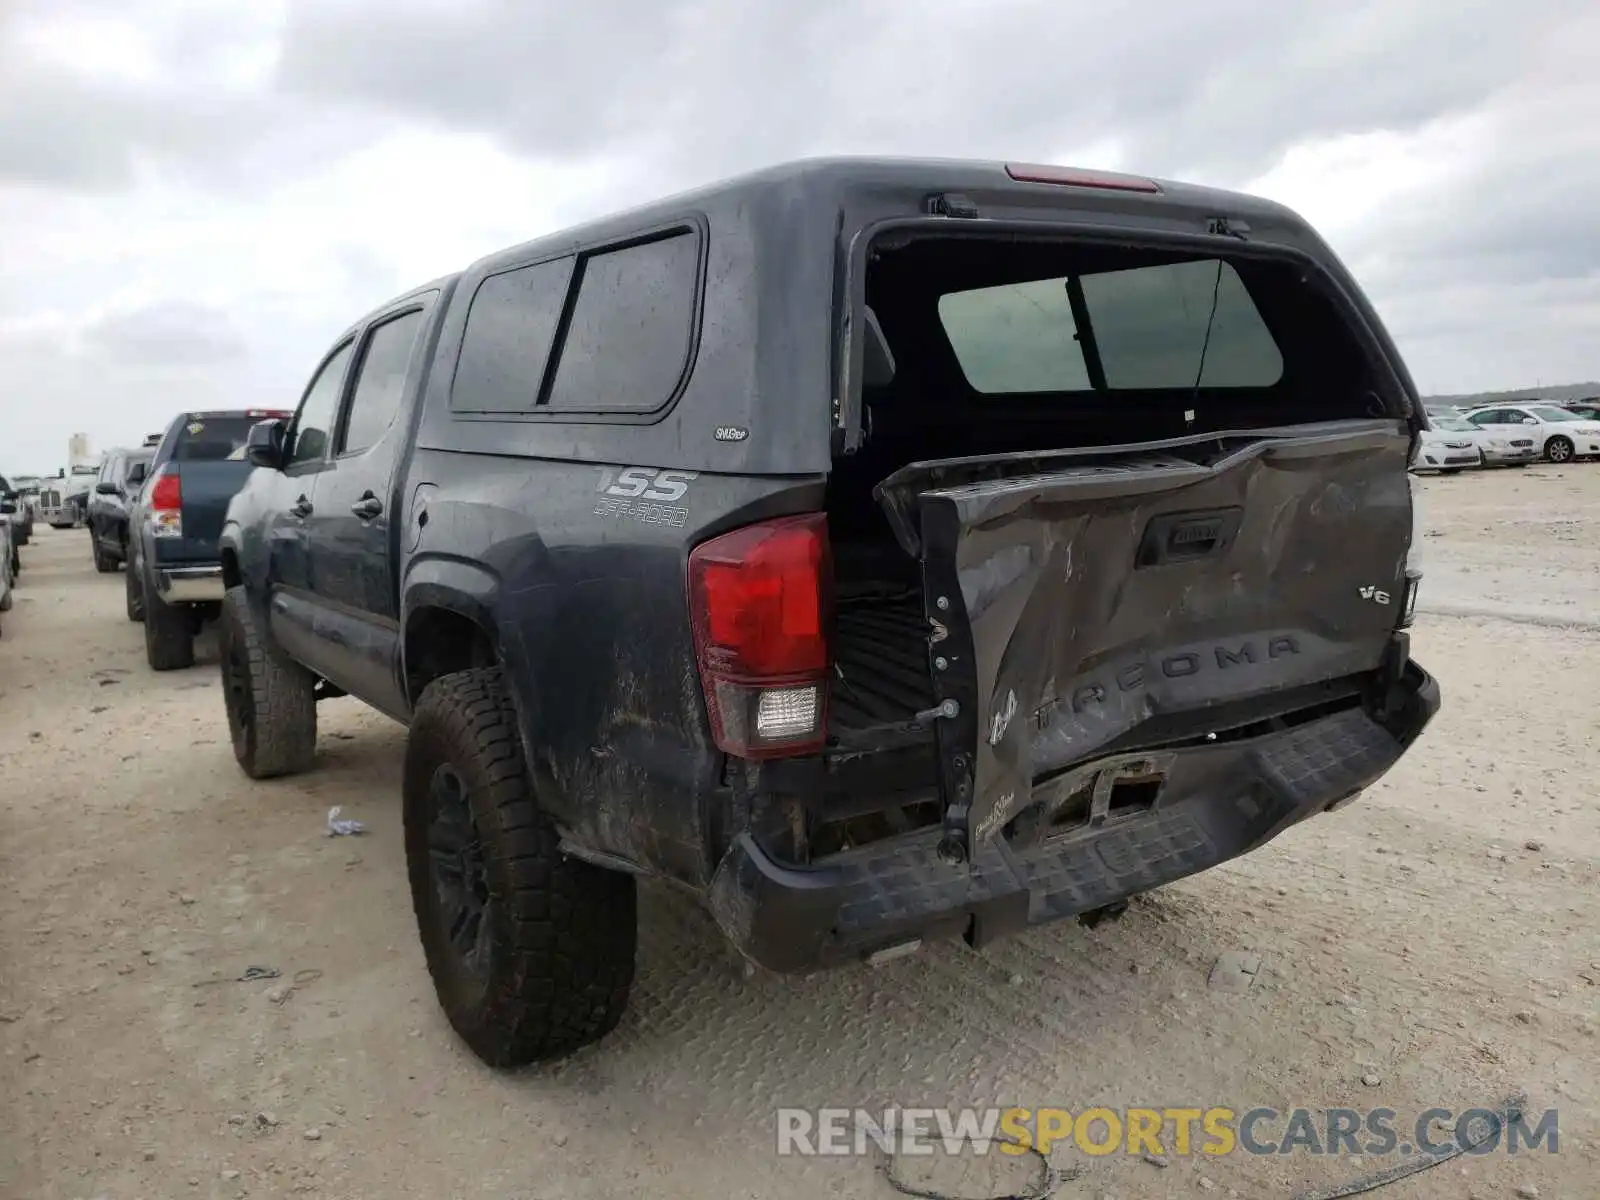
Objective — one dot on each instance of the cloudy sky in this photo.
(196, 196)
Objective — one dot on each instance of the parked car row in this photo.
(156, 511)
(1506, 435)
(16, 530)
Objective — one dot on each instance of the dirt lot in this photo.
(1435, 944)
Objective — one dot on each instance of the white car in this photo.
(1500, 445)
(1446, 448)
(1559, 435)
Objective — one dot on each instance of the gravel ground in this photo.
(1435, 944)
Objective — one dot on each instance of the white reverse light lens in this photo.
(787, 712)
(1414, 551)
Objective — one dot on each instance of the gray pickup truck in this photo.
(884, 551)
(174, 576)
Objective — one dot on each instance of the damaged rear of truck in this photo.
(1111, 577)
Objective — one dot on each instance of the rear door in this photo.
(102, 525)
(350, 533)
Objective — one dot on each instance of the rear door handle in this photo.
(367, 507)
(300, 508)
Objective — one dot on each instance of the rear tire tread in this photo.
(168, 634)
(282, 739)
(563, 931)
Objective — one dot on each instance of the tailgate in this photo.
(207, 488)
(1076, 597)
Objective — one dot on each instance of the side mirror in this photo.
(1529, 421)
(263, 447)
(106, 489)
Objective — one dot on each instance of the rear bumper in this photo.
(1217, 803)
(190, 585)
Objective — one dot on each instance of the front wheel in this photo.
(271, 702)
(103, 562)
(531, 952)
(1559, 449)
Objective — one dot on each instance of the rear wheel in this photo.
(1559, 449)
(103, 562)
(272, 704)
(531, 951)
(168, 632)
(135, 594)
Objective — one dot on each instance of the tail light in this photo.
(760, 601)
(165, 508)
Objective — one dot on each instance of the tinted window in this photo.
(1018, 337)
(628, 338)
(380, 381)
(1154, 327)
(510, 328)
(314, 422)
(212, 439)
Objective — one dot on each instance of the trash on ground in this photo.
(345, 827)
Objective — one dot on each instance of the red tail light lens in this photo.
(760, 607)
(166, 492)
(166, 505)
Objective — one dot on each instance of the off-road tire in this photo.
(168, 632)
(1559, 449)
(135, 593)
(560, 933)
(103, 562)
(271, 701)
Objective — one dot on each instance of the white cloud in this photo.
(196, 197)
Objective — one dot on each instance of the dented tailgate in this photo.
(1079, 596)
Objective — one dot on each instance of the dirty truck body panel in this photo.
(1149, 630)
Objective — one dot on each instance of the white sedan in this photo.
(1560, 435)
(1500, 445)
(1447, 448)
